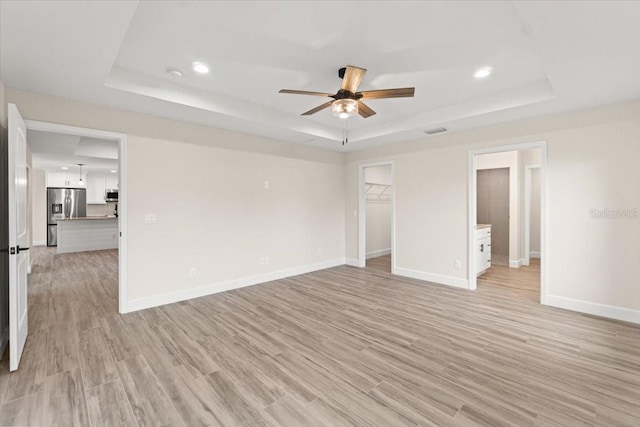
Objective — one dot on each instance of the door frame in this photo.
(472, 209)
(528, 169)
(362, 213)
(122, 192)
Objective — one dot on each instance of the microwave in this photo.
(111, 195)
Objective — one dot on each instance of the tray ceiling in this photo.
(546, 58)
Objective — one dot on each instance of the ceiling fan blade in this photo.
(352, 78)
(319, 108)
(364, 110)
(304, 92)
(405, 92)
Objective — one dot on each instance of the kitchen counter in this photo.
(89, 233)
(89, 218)
(481, 226)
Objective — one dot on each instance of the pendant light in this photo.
(80, 181)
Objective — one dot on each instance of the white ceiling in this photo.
(547, 57)
(51, 151)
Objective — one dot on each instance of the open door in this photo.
(18, 236)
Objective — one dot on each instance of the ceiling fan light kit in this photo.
(344, 108)
(347, 101)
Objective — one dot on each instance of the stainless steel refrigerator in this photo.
(63, 203)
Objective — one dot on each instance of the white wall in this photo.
(378, 215)
(534, 218)
(39, 207)
(592, 163)
(206, 187)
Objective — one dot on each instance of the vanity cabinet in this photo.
(483, 248)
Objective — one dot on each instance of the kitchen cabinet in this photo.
(482, 248)
(96, 185)
(111, 181)
(65, 180)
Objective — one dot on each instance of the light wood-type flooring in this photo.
(523, 281)
(338, 347)
(381, 263)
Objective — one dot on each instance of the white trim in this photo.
(381, 252)
(433, 278)
(214, 288)
(516, 263)
(472, 190)
(534, 254)
(122, 193)
(352, 262)
(362, 230)
(39, 243)
(527, 212)
(602, 310)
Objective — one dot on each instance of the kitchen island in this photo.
(91, 233)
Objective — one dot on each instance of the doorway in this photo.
(507, 220)
(376, 217)
(493, 209)
(95, 161)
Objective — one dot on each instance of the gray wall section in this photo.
(4, 241)
(493, 207)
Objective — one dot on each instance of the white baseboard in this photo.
(432, 277)
(516, 263)
(381, 252)
(214, 288)
(352, 262)
(534, 254)
(39, 243)
(610, 311)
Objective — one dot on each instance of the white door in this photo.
(18, 236)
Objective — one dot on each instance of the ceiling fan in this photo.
(347, 101)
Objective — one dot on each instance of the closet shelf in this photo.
(377, 192)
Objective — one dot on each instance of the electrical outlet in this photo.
(261, 260)
(192, 273)
(319, 251)
(355, 213)
(266, 185)
(150, 218)
(266, 260)
(457, 264)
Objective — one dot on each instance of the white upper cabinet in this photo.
(96, 185)
(63, 179)
(112, 181)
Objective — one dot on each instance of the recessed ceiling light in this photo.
(64, 168)
(483, 72)
(201, 68)
(174, 73)
(113, 171)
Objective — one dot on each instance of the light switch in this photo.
(149, 218)
(266, 185)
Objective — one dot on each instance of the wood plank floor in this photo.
(338, 347)
(523, 281)
(381, 263)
